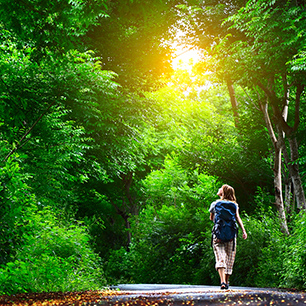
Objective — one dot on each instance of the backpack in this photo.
(225, 228)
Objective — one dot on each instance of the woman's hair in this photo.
(228, 193)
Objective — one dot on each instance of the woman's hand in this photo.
(244, 234)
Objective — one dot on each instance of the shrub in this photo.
(249, 251)
(166, 247)
(268, 270)
(294, 256)
(38, 251)
(15, 198)
(54, 257)
(257, 260)
(120, 266)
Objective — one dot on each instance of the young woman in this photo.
(225, 251)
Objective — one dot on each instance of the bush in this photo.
(120, 266)
(256, 261)
(269, 258)
(174, 185)
(54, 257)
(249, 251)
(15, 198)
(38, 251)
(167, 247)
(294, 255)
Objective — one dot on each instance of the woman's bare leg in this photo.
(222, 275)
(227, 276)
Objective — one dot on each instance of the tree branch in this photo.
(280, 120)
(264, 109)
(27, 133)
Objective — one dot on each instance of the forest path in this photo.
(172, 295)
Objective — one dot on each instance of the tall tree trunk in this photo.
(234, 101)
(121, 212)
(278, 186)
(128, 205)
(295, 174)
(289, 195)
(280, 119)
(129, 235)
(287, 179)
(293, 145)
(277, 169)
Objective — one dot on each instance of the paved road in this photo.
(167, 287)
(158, 295)
(174, 295)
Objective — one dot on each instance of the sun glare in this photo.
(185, 58)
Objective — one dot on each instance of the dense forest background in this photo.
(111, 155)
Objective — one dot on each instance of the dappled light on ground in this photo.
(169, 298)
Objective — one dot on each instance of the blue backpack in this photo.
(225, 228)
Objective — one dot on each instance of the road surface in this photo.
(173, 295)
(158, 295)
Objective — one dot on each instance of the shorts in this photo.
(225, 255)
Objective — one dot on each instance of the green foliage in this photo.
(89, 149)
(60, 145)
(30, 89)
(120, 266)
(174, 185)
(273, 38)
(53, 26)
(40, 252)
(163, 240)
(126, 43)
(248, 257)
(270, 268)
(294, 260)
(171, 235)
(15, 197)
(54, 256)
(279, 260)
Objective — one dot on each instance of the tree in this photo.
(35, 67)
(56, 101)
(133, 42)
(271, 32)
(253, 52)
(55, 26)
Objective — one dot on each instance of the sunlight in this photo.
(185, 58)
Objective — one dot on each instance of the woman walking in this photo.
(225, 251)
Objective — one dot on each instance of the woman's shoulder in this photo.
(237, 206)
(212, 206)
(235, 203)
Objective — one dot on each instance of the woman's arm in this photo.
(212, 216)
(244, 233)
